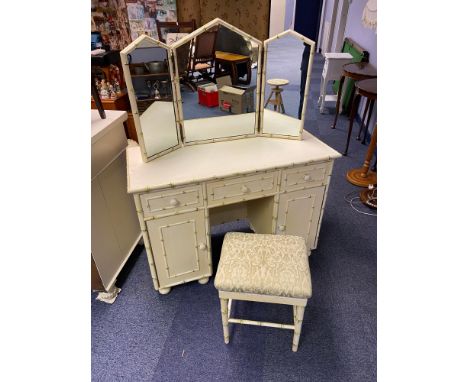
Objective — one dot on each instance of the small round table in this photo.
(276, 90)
(368, 89)
(356, 71)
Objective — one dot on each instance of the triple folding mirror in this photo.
(216, 83)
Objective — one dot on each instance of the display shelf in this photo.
(164, 74)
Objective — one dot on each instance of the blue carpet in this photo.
(144, 336)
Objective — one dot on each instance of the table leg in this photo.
(235, 76)
(354, 107)
(338, 101)
(370, 153)
(363, 118)
(362, 177)
(368, 120)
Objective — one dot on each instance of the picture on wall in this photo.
(142, 15)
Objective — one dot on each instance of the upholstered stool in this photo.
(264, 268)
(276, 90)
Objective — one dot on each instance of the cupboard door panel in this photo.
(299, 213)
(180, 249)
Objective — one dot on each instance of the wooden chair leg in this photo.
(338, 101)
(299, 316)
(224, 317)
(351, 120)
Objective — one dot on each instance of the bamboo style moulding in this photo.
(146, 42)
(160, 126)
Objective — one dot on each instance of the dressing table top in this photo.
(198, 163)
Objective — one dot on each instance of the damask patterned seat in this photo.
(264, 268)
(276, 265)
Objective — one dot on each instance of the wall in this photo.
(367, 38)
(250, 16)
(289, 14)
(277, 13)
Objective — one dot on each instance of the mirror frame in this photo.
(140, 43)
(188, 38)
(298, 36)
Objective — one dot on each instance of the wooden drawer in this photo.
(247, 187)
(172, 200)
(306, 176)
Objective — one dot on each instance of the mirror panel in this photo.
(148, 77)
(285, 84)
(219, 86)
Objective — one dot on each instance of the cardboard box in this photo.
(235, 99)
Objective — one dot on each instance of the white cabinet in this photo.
(299, 213)
(114, 225)
(180, 247)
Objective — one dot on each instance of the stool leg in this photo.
(269, 97)
(338, 101)
(299, 316)
(363, 119)
(281, 104)
(224, 316)
(351, 120)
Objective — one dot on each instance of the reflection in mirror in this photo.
(287, 65)
(218, 83)
(152, 89)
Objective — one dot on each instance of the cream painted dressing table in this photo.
(280, 186)
(193, 170)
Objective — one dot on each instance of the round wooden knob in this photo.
(202, 246)
(282, 227)
(244, 189)
(174, 202)
(306, 178)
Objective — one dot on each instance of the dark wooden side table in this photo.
(231, 60)
(368, 89)
(356, 71)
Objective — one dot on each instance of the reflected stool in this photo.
(276, 90)
(264, 268)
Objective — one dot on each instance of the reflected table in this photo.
(232, 60)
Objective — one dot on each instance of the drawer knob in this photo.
(202, 246)
(306, 178)
(174, 202)
(244, 189)
(282, 228)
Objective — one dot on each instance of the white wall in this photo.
(277, 15)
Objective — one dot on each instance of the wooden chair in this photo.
(202, 57)
(175, 27)
(264, 268)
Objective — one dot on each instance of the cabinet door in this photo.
(180, 248)
(299, 213)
